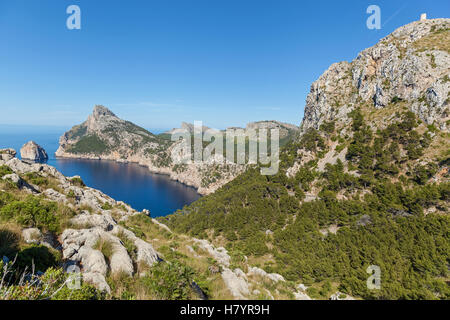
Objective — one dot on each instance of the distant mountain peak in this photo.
(100, 111)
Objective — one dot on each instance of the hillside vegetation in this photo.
(365, 182)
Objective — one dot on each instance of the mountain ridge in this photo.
(410, 64)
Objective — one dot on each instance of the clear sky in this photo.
(157, 63)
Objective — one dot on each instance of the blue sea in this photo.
(130, 183)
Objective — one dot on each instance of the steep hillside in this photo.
(366, 182)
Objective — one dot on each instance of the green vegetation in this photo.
(36, 179)
(5, 170)
(89, 144)
(379, 212)
(33, 211)
(128, 244)
(170, 281)
(76, 181)
(52, 285)
(107, 206)
(106, 247)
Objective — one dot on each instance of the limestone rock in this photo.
(220, 254)
(275, 277)
(301, 296)
(103, 221)
(122, 141)
(98, 280)
(19, 182)
(401, 67)
(341, 296)
(145, 251)
(7, 154)
(237, 285)
(32, 151)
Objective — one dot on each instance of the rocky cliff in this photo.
(105, 136)
(411, 65)
(32, 151)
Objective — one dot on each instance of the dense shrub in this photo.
(32, 212)
(381, 219)
(170, 281)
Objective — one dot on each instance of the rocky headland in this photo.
(104, 136)
(34, 152)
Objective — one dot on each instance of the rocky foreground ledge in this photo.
(97, 218)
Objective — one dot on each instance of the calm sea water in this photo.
(130, 183)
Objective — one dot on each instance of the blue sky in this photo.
(158, 63)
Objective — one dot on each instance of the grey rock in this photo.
(7, 154)
(275, 277)
(32, 151)
(393, 68)
(364, 220)
(237, 285)
(98, 280)
(220, 254)
(341, 296)
(103, 221)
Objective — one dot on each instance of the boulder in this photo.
(341, 296)
(103, 221)
(145, 251)
(34, 152)
(120, 261)
(7, 154)
(301, 296)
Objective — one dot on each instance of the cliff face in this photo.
(32, 151)
(105, 136)
(411, 65)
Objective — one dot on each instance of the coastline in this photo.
(156, 170)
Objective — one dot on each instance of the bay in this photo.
(127, 182)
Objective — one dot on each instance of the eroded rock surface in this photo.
(32, 151)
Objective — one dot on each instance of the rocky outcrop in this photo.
(411, 65)
(105, 136)
(275, 277)
(81, 244)
(7, 154)
(236, 283)
(34, 152)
